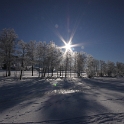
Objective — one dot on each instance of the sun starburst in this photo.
(67, 46)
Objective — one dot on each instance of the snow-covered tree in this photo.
(22, 52)
(39, 55)
(61, 64)
(120, 68)
(53, 57)
(57, 58)
(90, 66)
(75, 62)
(111, 68)
(7, 47)
(66, 62)
(44, 59)
(70, 62)
(80, 63)
(96, 67)
(102, 68)
(31, 53)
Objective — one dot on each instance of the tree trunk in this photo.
(9, 73)
(21, 71)
(32, 70)
(22, 66)
(6, 69)
(70, 72)
(48, 71)
(52, 72)
(60, 70)
(57, 73)
(44, 72)
(39, 69)
(21, 75)
(65, 71)
(70, 69)
(9, 69)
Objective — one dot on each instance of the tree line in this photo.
(48, 58)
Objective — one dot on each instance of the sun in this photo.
(68, 46)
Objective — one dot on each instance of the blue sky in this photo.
(98, 25)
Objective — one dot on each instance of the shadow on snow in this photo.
(15, 93)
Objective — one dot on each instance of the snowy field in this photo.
(61, 101)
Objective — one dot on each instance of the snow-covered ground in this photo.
(62, 101)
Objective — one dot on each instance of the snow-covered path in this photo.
(60, 101)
